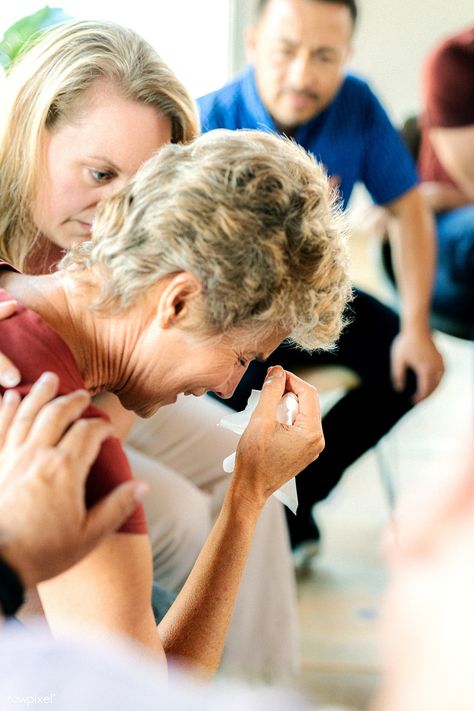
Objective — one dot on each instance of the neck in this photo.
(102, 347)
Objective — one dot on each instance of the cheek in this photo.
(331, 79)
(54, 199)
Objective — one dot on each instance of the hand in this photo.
(9, 375)
(416, 350)
(428, 623)
(442, 196)
(269, 453)
(44, 525)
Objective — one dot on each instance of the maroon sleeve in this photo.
(448, 83)
(35, 347)
(110, 469)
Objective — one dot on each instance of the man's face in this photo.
(299, 49)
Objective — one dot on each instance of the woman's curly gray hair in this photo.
(250, 214)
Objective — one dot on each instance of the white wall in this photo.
(192, 37)
(394, 36)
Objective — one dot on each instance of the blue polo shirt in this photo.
(353, 137)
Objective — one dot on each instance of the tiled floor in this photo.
(340, 599)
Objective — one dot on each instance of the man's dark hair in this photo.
(350, 4)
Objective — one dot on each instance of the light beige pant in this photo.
(179, 451)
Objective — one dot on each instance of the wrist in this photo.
(244, 500)
(415, 323)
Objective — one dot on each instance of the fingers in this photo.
(427, 382)
(424, 386)
(82, 444)
(54, 418)
(42, 392)
(279, 381)
(272, 391)
(7, 308)
(308, 400)
(8, 406)
(110, 513)
(9, 375)
(398, 375)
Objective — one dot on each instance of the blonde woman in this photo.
(81, 111)
(215, 252)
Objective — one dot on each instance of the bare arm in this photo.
(112, 587)
(267, 456)
(413, 243)
(454, 148)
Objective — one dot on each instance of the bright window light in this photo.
(192, 37)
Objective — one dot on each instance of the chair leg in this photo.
(386, 473)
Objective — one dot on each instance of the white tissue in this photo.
(237, 422)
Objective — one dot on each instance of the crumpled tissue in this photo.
(237, 422)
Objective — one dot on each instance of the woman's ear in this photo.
(176, 297)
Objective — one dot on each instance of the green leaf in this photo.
(21, 32)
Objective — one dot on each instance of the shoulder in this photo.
(358, 91)
(357, 107)
(34, 347)
(218, 107)
(226, 95)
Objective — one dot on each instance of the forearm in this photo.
(413, 242)
(195, 628)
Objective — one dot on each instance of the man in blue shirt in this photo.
(297, 85)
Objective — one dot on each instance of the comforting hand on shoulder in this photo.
(45, 457)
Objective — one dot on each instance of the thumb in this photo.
(7, 308)
(272, 391)
(110, 513)
(398, 374)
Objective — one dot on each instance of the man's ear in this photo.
(250, 39)
(176, 297)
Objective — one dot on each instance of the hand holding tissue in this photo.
(286, 412)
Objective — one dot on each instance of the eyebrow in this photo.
(104, 159)
(316, 50)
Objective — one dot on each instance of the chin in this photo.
(146, 411)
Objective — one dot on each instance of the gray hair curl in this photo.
(250, 214)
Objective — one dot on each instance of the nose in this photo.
(300, 72)
(226, 390)
(106, 191)
(112, 188)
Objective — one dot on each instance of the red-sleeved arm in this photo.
(35, 347)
